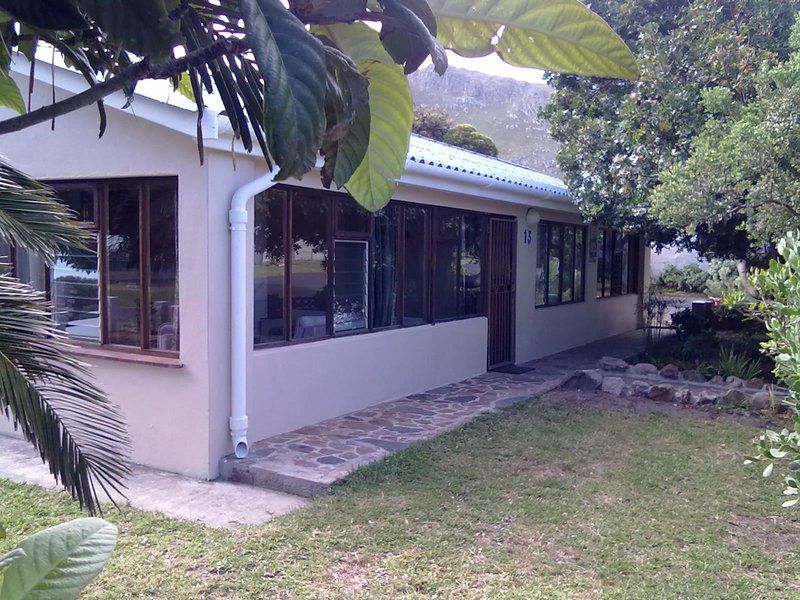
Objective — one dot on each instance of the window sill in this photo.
(127, 356)
(616, 296)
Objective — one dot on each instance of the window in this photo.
(617, 263)
(415, 265)
(122, 289)
(309, 267)
(385, 264)
(561, 250)
(324, 266)
(458, 256)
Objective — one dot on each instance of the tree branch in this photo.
(124, 79)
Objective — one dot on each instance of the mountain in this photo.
(504, 109)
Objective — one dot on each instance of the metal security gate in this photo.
(502, 292)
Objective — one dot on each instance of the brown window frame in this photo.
(605, 262)
(577, 298)
(331, 198)
(100, 228)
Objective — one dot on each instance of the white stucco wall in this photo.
(167, 409)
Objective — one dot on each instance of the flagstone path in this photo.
(309, 460)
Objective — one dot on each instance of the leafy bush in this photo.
(722, 277)
(778, 306)
(690, 278)
(737, 364)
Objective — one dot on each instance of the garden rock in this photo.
(695, 376)
(733, 399)
(587, 381)
(717, 380)
(670, 372)
(734, 381)
(640, 388)
(613, 385)
(683, 396)
(661, 393)
(644, 369)
(759, 401)
(610, 363)
(756, 383)
(705, 397)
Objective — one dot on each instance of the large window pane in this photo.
(164, 266)
(446, 284)
(415, 266)
(81, 199)
(580, 253)
(554, 274)
(471, 252)
(351, 217)
(541, 265)
(269, 269)
(625, 265)
(75, 294)
(608, 252)
(309, 270)
(122, 247)
(616, 265)
(350, 285)
(567, 270)
(601, 261)
(384, 268)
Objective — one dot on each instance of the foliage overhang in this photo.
(301, 79)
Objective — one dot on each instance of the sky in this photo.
(493, 65)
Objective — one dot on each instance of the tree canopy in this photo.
(619, 138)
(744, 165)
(299, 80)
(436, 124)
(468, 137)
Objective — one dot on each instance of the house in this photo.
(221, 309)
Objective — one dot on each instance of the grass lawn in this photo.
(538, 502)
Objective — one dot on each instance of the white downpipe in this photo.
(237, 217)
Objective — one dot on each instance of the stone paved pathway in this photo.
(308, 460)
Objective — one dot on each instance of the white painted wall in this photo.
(167, 409)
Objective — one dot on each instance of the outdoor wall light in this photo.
(532, 217)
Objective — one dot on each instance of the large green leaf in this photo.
(391, 113)
(409, 34)
(292, 64)
(60, 561)
(556, 35)
(10, 95)
(348, 119)
(143, 27)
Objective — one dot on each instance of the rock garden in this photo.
(671, 384)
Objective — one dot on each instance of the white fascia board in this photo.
(458, 182)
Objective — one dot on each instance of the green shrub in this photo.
(722, 277)
(691, 279)
(778, 306)
(737, 364)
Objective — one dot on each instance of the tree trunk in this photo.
(744, 278)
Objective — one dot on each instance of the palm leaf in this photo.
(48, 395)
(31, 216)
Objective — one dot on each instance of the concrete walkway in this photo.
(212, 503)
(309, 460)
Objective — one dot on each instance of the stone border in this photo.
(669, 384)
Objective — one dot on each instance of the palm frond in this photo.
(48, 395)
(31, 216)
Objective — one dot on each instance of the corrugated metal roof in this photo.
(438, 154)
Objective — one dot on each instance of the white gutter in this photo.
(237, 217)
